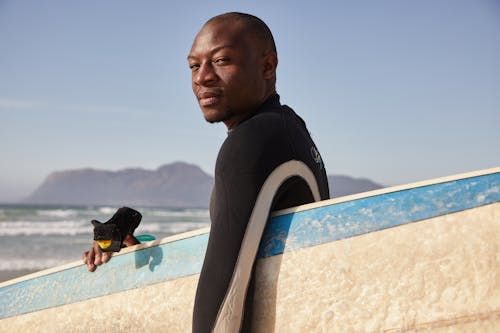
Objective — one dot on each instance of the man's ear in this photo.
(270, 62)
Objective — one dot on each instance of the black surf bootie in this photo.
(111, 234)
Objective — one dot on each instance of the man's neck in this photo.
(237, 121)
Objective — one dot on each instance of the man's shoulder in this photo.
(269, 123)
(256, 136)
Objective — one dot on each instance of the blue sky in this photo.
(396, 91)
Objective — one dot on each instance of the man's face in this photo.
(227, 72)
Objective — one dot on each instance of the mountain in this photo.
(345, 185)
(176, 185)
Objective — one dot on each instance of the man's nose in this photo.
(205, 74)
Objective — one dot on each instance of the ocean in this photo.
(39, 237)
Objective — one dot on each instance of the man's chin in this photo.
(212, 121)
(214, 116)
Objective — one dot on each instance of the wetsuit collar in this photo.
(272, 101)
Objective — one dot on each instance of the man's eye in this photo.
(221, 61)
(194, 66)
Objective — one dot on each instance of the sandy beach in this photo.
(8, 275)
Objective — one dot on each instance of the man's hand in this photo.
(95, 256)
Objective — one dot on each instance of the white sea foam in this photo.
(148, 228)
(61, 213)
(179, 227)
(32, 263)
(79, 227)
(169, 228)
(107, 210)
(174, 213)
(44, 228)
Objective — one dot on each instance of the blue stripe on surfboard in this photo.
(287, 232)
(352, 218)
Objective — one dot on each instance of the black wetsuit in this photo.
(268, 138)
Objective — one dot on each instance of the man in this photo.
(267, 162)
(233, 62)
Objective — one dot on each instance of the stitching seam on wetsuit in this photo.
(230, 314)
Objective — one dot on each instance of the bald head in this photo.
(251, 25)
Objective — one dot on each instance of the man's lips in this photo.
(208, 98)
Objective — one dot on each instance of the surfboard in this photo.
(418, 257)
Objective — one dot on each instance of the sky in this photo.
(392, 90)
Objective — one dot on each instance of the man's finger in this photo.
(97, 256)
(90, 260)
(105, 256)
(84, 256)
